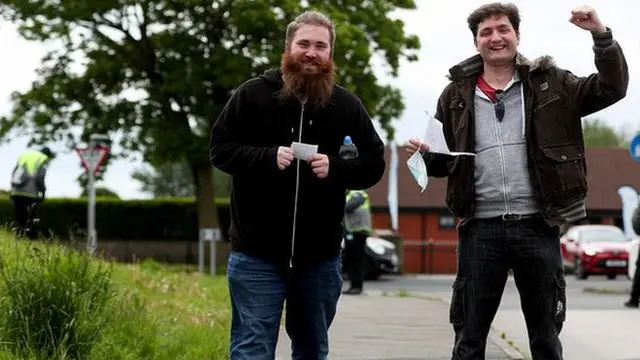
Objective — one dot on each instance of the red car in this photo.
(595, 250)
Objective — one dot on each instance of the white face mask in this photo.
(418, 170)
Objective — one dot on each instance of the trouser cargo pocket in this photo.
(560, 300)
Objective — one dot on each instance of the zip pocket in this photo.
(546, 102)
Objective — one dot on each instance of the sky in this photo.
(545, 30)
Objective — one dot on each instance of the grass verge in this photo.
(611, 291)
(63, 305)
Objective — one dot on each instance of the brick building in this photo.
(428, 228)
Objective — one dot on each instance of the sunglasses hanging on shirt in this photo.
(498, 106)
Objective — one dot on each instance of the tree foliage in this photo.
(158, 72)
(167, 180)
(176, 180)
(598, 134)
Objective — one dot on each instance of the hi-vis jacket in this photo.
(357, 212)
(29, 174)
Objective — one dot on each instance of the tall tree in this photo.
(160, 71)
(598, 134)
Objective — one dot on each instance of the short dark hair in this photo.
(494, 9)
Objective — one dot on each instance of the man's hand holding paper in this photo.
(434, 142)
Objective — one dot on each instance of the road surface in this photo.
(598, 327)
(577, 298)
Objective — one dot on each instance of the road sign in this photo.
(93, 158)
(634, 148)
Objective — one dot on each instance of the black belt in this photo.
(518, 217)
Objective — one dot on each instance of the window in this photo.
(447, 222)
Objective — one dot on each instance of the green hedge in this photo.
(157, 219)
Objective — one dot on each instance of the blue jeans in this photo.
(258, 290)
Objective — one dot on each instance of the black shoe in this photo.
(632, 304)
(353, 291)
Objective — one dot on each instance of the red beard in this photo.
(315, 87)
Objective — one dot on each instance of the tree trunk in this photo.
(207, 213)
(205, 196)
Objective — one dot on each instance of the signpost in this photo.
(92, 158)
(211, 236)
(634, 148)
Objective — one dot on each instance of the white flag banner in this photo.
(630, 200)
(392, 192)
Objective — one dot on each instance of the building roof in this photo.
(607, 170)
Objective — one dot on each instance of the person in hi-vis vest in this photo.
(28, 189)
(357, 222)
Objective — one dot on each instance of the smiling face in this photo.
(310, 48)
(307, 67)
(497, 41)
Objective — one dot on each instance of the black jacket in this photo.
(244, 143)
(555, 102)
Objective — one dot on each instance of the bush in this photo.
(53, 301)
(59, 304)
(156, 219)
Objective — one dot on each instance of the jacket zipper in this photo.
(295, 201)
(498, 133)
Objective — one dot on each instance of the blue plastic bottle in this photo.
(348, 150)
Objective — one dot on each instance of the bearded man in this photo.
(287, 207)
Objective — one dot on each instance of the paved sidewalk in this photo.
(587, 334)
(376, 327)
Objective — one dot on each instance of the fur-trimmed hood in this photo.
(473, 66)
